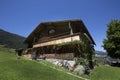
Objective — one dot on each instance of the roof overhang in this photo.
(56, 23)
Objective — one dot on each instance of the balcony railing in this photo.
(57, 40)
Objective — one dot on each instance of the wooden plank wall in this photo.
(61, 56)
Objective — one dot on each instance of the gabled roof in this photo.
(56, 23)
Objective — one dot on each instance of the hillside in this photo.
(11, 40)
(105, 73)
(23, 69)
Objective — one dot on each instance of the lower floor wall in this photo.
(61, 56)
(52, 55)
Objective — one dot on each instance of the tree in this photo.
(112, 43)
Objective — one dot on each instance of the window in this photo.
(52, 31)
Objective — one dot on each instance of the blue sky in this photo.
(22, 16)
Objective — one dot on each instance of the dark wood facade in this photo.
(47, 34)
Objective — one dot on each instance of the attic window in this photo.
(51, 31)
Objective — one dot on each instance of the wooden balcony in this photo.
(57, 40)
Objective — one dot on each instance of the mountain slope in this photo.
(11, 40)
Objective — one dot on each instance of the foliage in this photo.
(11, 40)
(105, 73)
(83, 61)
(82, 48)
(74, 46)
(112, 43)
(13, 69)
(88, 50)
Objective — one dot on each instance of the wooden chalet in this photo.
(48, 34)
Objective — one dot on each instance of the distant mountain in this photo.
(11, 40)
(101, 54)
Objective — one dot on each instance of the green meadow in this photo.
(23, 69)
(105, 73)
(13, 69)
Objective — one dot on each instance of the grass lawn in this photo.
(13, 69)
(106, 73)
